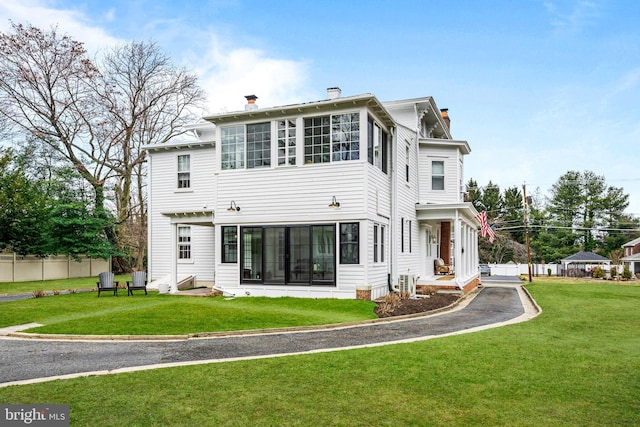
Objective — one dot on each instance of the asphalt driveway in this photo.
(33, 360)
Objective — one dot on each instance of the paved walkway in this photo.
(24, 361)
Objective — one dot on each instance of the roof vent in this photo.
(334, 93)
(251, 103)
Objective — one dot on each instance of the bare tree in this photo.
(149, 101)
(97, 119)
(46, 91)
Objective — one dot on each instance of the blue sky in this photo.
(537, 87)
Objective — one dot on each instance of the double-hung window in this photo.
(437, 175)
(378, 242)
(184, 171)
(184, 242)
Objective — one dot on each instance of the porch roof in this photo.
(194, 216)
(447, 211)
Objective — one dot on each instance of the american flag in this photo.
(485, 229)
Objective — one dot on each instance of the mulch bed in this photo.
(419, 305)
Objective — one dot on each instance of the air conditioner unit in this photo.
(406, 283)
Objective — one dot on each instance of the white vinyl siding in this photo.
(164, 198)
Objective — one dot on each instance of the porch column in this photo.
(173, 281)
(445, 242)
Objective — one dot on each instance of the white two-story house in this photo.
(317, 199)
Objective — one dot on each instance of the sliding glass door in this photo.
(283, 255)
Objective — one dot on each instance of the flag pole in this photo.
(526, 228)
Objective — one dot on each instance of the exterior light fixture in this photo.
(233, 207)
(334, 203)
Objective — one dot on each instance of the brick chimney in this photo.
(251, 103)
(445, 117)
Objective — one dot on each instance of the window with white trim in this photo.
(332, 138)
(232, 147)
(245, 146)
(258, 145)
(286, 142)
(184, 171)
(375, 243)
(437, 175)
(376, 145)
(184, 242)
(382, 233)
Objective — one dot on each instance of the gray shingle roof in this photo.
(585, 257)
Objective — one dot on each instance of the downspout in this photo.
(393, 228)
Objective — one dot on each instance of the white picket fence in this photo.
(518, 269)
(17, 268)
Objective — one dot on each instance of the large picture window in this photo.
(229, 244)
(332, 138)
(289, 255)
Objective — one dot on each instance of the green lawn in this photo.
(7, 288)
(577, 364)
(164, 314)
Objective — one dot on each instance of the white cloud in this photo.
(571, 16)
(41, 14)
(230, 73)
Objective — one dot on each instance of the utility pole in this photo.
(526, 228)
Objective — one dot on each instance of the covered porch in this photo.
(202, 217)
(449, 236)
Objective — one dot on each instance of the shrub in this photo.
(549, 272)
(626, 273)
(598, 273)
(426, 290)
(614, 272)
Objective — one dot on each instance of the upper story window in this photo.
(258, 145)
(332, 138)
(407, 155)
(184, 171)
(376, 145)
(246, 146)
(232, 147)
(437, 175)
(286, 142)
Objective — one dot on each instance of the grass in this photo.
(577, 364)
(162, 314)
(8, 288)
